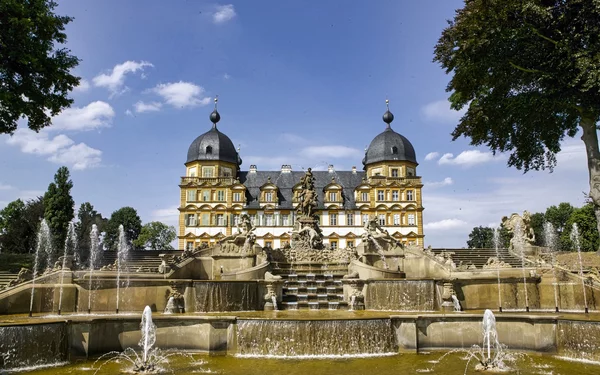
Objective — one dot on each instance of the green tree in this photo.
(132, 224)
(59, 207)
(586, 223)
(559, 216)
(87, 216)
(35, 75)
(481, 238)
(19, 223)
(527, 72)
(537, 223)
(156, 236)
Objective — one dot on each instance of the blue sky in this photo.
(300, 83)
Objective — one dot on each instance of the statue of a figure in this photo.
(374, 232)
(527, 235)
(308, 196)
(314, 237)
(244, 233)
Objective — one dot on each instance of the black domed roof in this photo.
(389, 145)
(213, 145)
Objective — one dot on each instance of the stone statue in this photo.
(520, 229)
(245, 233)
(314, 238)
(374, 233)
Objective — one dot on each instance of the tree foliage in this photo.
(59, 207)
(585, 219)
(87, 216)
(528, 72)
(156, 236)
(132, 224)
(483, 238)
(19, 223)
(35, 75)
(559, 216)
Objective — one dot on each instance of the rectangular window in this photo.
(192, 172)
(190, 220)
(220, 220)
(220, 195)
(394, 172)
(396, 219)
(205, 219)
(207, 171)
(333, 219)
(269, 197)
(365, 218)
(350, 244)
(225, 172)
(206, 195)
(333, 245)
(268, 243)
(409, 195)
(253, 219)
(269, 220)
(191, 195)
(332, 196)
(189, 245)
(236, 220)
(411, 219)
(285, 220)
(395, 196)
(381, 219)
(350, 219)
(237, 197)
(380, 195)
(364, 196)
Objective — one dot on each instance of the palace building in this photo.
(215, 192)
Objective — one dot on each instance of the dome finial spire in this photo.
(214, 115)
(388, 117)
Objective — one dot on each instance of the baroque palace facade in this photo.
(215, 192)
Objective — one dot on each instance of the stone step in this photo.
(313, 297)
(314, 306)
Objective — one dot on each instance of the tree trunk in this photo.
(590, 139)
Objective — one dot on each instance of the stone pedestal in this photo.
(447, 301)
(353, 293)
(271, 298)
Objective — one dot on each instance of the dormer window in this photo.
(394, 150)
(268, 197)
(333, 196)
(208, 150)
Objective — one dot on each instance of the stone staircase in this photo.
(312, 286)
(6, 277)
(146, 260)
(479, 257)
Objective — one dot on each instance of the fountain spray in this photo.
(94, 253)
(575, 239)
(122, 255)
(43, 243)
(70, 242)
(550, 242)
(496, 240)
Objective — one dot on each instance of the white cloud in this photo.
(129, 113)
(5, 187)
(182, 94)
(467, 158)
(445, 182)
(431, 156)
(223, 13)
(94, 115)
(59, 149)
(84, 85)
(115, 81)
(332, 151)
(446, 224)
(141, 107)
(441, 112)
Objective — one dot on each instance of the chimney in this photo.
(252, 168)
(286, 168)
(330, 168)
(353, 169)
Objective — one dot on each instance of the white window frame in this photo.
(333, 219)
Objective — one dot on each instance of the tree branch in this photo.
(526, 70)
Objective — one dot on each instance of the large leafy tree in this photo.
(585, 219)
(483, 238)
(156, 236)
(528, 72)
(35, 76)
(19, 223)
(537, 224)
(87, 216)
(59, 207)
(132, 224)
(559, 215)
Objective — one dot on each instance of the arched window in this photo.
(394, 150)
(209, 149)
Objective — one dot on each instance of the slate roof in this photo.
(286, 181)
(381, 148)
(222, 148)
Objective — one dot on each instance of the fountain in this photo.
(94, 255)
(44, 243)
(550, 243)
(496, 240)
(456, 303)
(519, 246)
(575, 239)
(67, 259)
(122, 256)
(487, 362)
